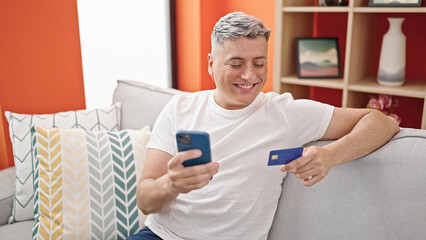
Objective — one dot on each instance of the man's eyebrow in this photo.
(235, 58)
(240, 58)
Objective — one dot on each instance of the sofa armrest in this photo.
(379, 196)
(7, 192)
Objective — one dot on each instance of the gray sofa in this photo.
(380, 196)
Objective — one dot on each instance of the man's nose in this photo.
(248, 74)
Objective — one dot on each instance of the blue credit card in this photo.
(284, 156)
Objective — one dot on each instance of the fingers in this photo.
(181, 157)
(185, 182)
(185, 179)
(185, 185)
(299, 162)
(194, 174)
(175, 166)
(312, 166)
(306, 174)
(312, 180)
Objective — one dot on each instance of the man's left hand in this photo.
(312, 166)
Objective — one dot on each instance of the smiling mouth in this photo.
(246, 86)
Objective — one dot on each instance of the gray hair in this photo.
(238, 24)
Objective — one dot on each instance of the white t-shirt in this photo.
(241, 199)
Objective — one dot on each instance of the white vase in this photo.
(392, 55)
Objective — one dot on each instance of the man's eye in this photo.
(235, 65)
(259, 65)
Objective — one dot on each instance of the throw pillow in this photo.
(86, 183)
(20, 126)
(138, 97)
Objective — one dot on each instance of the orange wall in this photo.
(195, 20)
(40, 61)
(188, 43)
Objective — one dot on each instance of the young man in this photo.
(244, 125)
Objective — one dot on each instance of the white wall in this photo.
(123, 39)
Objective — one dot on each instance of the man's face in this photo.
(239, 69)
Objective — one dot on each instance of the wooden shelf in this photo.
(414, 88)
(315, 9)
(389, 10)
(295, 18)
(325, 83)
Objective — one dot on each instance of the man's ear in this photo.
(210, 64)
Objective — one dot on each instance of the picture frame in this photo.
(333, 2)
(395, 3)
(318, 58)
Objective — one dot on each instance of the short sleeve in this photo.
(307, 119)
(163, 133)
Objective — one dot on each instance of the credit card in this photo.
(284, 156)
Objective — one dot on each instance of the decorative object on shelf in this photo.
(317, 58)
(392, 56)
(395, 3)
(386, 104)
(333, 2)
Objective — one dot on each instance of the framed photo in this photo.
(317, 58)
(333, 2)
(395, 3)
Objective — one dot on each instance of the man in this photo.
(235, 196)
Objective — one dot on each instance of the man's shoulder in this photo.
(273, 97)
(193, 95)
(191, 98)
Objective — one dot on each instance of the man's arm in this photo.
(359, 132)
(164, 178)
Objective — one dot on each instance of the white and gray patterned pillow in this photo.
(108, 118)
(86, 183)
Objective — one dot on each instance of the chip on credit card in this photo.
(284, 156)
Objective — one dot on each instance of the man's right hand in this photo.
(185, 179)
(164, 178)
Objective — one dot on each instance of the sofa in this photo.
(379, 196)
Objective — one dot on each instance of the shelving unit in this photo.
(295, 18)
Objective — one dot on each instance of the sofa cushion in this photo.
(7, 191)
(19, 127)
(379, 196)
(141, 102)
(86, 183)
(17, 231)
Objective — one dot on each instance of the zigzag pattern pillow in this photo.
(20, 134)
(86, 183)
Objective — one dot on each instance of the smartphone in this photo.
(187, 140)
